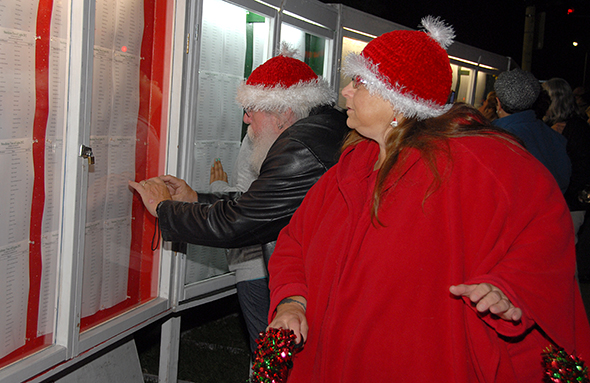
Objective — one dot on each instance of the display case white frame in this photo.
(69, 347)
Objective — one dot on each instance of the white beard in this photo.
(261, 144)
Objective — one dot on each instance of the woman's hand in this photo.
(291, 316)
(217, 173)
(179, 189)
(488, 297)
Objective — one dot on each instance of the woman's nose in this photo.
(348, 90)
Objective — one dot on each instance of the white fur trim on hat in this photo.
(301, 97)
(407, 104)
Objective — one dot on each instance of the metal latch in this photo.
(86, 152)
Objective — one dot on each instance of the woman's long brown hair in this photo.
(430, 137)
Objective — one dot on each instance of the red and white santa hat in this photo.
(410, 69)
(284, 82)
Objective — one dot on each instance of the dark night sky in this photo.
(498, 26)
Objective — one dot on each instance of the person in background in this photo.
(488, 107)
(563, 117)
(437, 249)
(296, 136)
(247, 262)
(582, 97)
(541, 105)
(517, 91)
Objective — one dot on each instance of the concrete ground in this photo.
(213, 345)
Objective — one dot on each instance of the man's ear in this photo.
(288, 118)
(499, 104)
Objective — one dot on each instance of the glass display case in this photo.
(82, 92)
(224, 54)
(32, 109)
(126, 131)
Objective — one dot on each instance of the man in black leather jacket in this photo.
(284, 98)
(296, 160)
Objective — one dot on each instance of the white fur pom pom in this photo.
(287, 50)
(438, 30)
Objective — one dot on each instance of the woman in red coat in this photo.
(437, 249)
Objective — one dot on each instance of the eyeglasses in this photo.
(247, 112)
(358, 81)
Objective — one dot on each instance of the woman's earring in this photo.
(393, 123)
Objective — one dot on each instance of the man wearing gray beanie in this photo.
(516, 92)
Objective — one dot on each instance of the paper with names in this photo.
(221, 70)
(17, 169)
(14, 266)
(218, 115)
(17, 105)
(219, 118)
(260, 43)
(115, 105)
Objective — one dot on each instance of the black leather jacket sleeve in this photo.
(294, 163)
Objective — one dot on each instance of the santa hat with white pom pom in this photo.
(284, 82)
(410, 69)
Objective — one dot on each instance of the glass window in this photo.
(34, 50)
(311, 49)
(484, 85)
(127, 133)
(231, 47)
(462, 78)
(348, 46)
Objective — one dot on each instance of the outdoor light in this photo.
(575, 43)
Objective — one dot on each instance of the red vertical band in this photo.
(158, 43)
(42, 48)
(147, 152)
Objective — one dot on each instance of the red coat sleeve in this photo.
(287, 263)
(532, 260)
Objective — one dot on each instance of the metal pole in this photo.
(529, 37)
(585, 67)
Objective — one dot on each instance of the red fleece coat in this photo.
(379, 307)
